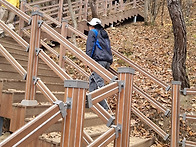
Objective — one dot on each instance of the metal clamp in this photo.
(40, 22)
(110, 121)
(121, 85)
(184, 91)
(184, 142)
(184, 117)
(166, 137)
(30, 21)
(89, 100)
(167, 112)
(118, 129)
(25, 76)
(35, 79)
(69, 102)
(36, 13)
(168, 88)
(114, 78)
(38, 50)
(62, 107)
(27, 49)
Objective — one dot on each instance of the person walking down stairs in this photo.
(7, 16)
(98, 48)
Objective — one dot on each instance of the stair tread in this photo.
(23, 81)
(14, 91)
(38, 73)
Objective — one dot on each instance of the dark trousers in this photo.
(96, 81)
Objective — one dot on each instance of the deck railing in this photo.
(72, 109)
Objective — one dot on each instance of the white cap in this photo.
(94, 22)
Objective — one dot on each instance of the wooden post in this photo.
(175, 113)
(75, 96)
(60, 13)
(21, 21)
(33, 59)
(62, 48)
(134, 3)
(80, 10)
(105, 7)
(123, 111)
(86, 9)
(121, 5)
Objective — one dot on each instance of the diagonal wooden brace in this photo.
(34, 128)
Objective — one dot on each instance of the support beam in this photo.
(175, 114)
(60, 11)
(62, 48)
(55, 67)
(75, 97)
(148, 122)
(21, 21)
(34, 128)
(104, 139)
(32, 69)
(102, 93)
(123, 110)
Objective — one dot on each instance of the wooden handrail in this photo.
(55, 67)
(34, 128)
(78, 53)
(104, 139)
(152, 125)
(14, 35)
(13, 62)
(45, 15)
(17, 11)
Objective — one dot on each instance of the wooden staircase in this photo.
(12, 92)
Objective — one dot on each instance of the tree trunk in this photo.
(93, 8)
(146, 5)
(180, 43)
(162, 12)
(72, 14)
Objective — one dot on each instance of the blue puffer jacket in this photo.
(98, 55)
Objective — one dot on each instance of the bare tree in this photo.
(146, 7)
(93, 8)
(180, 43)
(162, 12)
(72, 14)
(154, 9)
(151, 9)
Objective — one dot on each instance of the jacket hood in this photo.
(104, 34)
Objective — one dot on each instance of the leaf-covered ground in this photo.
(151, 47)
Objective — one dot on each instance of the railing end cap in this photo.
(176, 83)
(75, 84)
(126, 70)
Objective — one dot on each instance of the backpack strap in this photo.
(96, 34)
(96, 42)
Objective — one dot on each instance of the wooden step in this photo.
(23, 62)
(7, 84)
(54, 137)
(15, 75)
(18, 96)
(41, 70)
(90, 120)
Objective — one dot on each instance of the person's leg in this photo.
(10, 20)
(92, 83)
(3, 17)
(100, 83)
